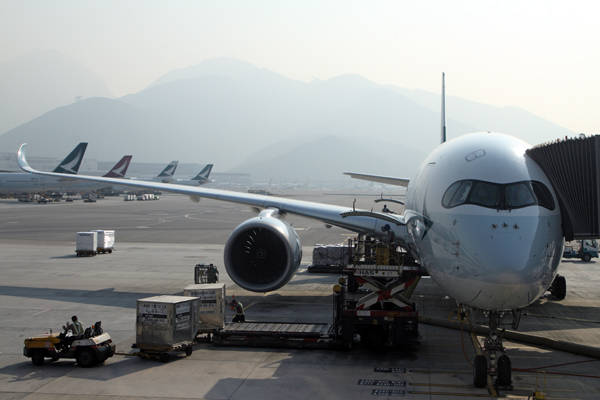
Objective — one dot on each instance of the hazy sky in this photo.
(543, 56)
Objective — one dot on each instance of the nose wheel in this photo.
(497, 364)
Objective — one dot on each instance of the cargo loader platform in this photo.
(277, 334)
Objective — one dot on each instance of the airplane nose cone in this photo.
(504, 256)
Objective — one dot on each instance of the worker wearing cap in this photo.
(239, 311)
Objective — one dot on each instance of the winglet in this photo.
(22, 161)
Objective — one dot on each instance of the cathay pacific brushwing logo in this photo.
(69, 167)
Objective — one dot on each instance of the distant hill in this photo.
(513, 121)
(247, 119)
(40, 81)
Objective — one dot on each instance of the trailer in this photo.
(86, 244)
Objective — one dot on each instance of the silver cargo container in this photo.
(106, 239)
(211, 313)
(166, 320)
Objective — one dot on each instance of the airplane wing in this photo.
(390, 180)
(367, 222)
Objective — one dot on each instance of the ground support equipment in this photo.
(81, 253)
(162, 353)
(277, 334)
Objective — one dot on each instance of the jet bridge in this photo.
(573, 166)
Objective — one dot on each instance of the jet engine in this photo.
(263, 253)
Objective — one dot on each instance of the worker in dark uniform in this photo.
(386, 210)
(239, 311)
(391, 235)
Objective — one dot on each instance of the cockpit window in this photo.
(519, 195)
(498, 196)
(485, 194)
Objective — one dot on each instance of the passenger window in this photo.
(485, 194)
(518, 195)
(544, 197)
(461, 194)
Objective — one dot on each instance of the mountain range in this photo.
(247, 119)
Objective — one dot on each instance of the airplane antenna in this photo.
(443, 139)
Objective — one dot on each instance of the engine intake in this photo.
(263, 253)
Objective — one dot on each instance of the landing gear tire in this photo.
(37, 357)
(587, 257)
(559, 287)
(504, 371)
(480, 371)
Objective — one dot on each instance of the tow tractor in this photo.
(91, 348)
(372, 301)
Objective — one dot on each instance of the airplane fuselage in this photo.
(485, 222)
(29, 183)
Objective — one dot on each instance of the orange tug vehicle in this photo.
(91, 348)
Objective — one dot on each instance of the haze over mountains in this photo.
(246, 119)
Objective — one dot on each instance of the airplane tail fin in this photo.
(120, 168)
(204, 174)
(169, 170)
(443, 138)
(71, 164)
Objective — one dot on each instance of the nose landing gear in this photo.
(497, 367)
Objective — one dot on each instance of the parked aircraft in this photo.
(198, 180)
(118, 171)
(481, 217)
(166, 176)
(18, 182)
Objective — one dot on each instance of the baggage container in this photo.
(211, 311)
(106, 240)
(166, 321)
(87, 243)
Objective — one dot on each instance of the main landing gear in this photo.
(497, 364)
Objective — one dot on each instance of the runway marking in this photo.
(143, 227)
(41, 312)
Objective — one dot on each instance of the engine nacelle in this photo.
(263, 253)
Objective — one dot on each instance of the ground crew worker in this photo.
(239, 311)
(74, 327)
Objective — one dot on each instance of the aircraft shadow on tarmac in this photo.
(103, 297)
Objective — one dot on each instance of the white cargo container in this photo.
(87, 243)
(106, 240)
(166, 321)
(211, 314)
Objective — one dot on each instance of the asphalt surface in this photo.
(157, 245)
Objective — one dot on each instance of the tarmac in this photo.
(158, 243)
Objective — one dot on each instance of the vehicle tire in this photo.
(37, 357)
(480, 371)
(559, 287)
(587, 257)
(86, 358)
(165, 357)
(188, 351)
(504, 371)
(109, 251)
(373, 338)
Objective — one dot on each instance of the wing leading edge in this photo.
(367, 222)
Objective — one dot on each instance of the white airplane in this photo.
(481, 217)
(18, 182)
(118, 171)
(198, 180)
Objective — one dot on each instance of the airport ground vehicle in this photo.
(88, 349)
(372, 302)
(582, 249)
